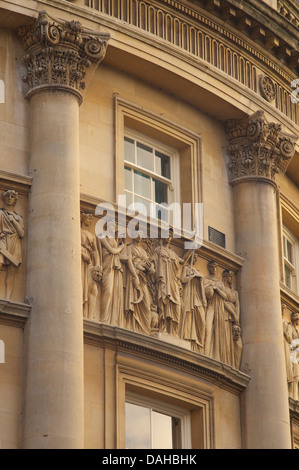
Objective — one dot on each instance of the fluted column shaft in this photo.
(258, 150)
(58, 55)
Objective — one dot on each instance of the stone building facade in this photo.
(149, 239)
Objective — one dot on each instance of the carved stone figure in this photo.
(138, 299)
(193, 305)
(287, 336)
(90, 266)
(112, 305)
(11, 231)
(215, 315)
(168, 285)
(295, 358)
(238, 347)
(231, 315)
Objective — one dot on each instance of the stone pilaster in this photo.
(258, 150)
(58, 57)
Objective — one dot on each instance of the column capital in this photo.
(58, 54)
(257, 149)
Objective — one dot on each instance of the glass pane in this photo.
(129, 149)
(138, 427)
(142, 184)
(162, 164)
(289, 252)
(161, 213)
(161, 191)
(128, 179)
(288, 277)
(162, 431)
(129, 198)
(142, 205)
(145, 157)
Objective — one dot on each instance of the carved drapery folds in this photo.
(291, 347)
(145, 286)
(257, 148)
(11, 233)
(58, 54)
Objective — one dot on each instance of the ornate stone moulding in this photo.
(129, 342)
(267, 87)
(257, 149)
(58, 54)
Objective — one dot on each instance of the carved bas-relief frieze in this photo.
(145, 286)
(11, 232)
(58, 54)
(257, 148)
(291, 346)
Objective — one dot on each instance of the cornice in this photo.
(164, 353)
(21, 183)
(13, 313)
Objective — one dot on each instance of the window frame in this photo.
(173, 183)
(187, 143)
(288, 236)
(163, 407)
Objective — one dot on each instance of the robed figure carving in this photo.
(288, 337)
(193, 305)
(231, 318)
(168, 286)
(11, 232)
(111, 299)
(295, 355)
(138, 300)
(215, 346)
(91, 268)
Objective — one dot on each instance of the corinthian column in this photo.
(258, 150)
(58, 57)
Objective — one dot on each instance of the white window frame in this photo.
(173, 183)
(287, 235)
(166, 408)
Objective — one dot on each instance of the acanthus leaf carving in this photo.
(58, 54)
(258, 148)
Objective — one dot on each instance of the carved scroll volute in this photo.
(257, 148)
(58, 54)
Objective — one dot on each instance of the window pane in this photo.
(162, 431)
(161, 191)
(129, 198)
(289, 255)
(128, 179)
(142, 205)
(162, 164)
(142, 184)
(288, 277)
(129, 150)
(138, 427)
(145, 157)
(161, 213)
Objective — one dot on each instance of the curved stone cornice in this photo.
(257, 148)
(58, 54)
